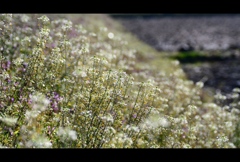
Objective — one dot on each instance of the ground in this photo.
(208, 34)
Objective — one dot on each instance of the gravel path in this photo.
(205, 33)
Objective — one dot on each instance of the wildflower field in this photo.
(81, 81)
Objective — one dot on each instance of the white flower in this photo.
(38, 141)
(192, 108)
(154, 121)
(44, 33)
(67, 25)
(83, 74)
(110, 130)
(78, 72)
(228, 124)
(235, 111)
(39, 101)
(25, 18)
(231, 145)
(5, 75)
(44, 19)
(185, 145)
(1, 146)
(219, 96)
(175, 62)
(236, 90)
(9, 120)
(163, 122)
(43, 143)
(66, 134)
(200, 84)
(235, 95)
(107, 118)
(31, 114)
(110, 35)
(72, 134)
(59, 34)
(18, 61)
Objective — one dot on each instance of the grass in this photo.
(196, 57)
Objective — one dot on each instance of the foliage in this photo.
(67, 85)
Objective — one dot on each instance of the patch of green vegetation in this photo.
(196, 57)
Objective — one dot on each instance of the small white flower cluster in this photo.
(132, 128)
(86, 113)
(236, 90)
(107, 118)
(1, 146)
(155, 121)
(67, 25)
(200, 84)
(4, 75)
(175, 62)
(10, 121)
(38, 141)
(44, 19)
(39, 104)
(110, 130)
(25, 18)
(121, 140)
(66, 134)
(39, 101)
(219, 96)
(25, 41)
(56, 57)
(44, 33)
(234, 95)
(80, 73)
(18, 61)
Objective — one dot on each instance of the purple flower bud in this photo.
(25, 64)
(21, 97)
(56, 97)
(53, 45)
(54, 104)
(55, 109)
(16, 83)
(29, 101)
(6, 65)
(134, 115)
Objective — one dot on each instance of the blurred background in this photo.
(207, 45)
